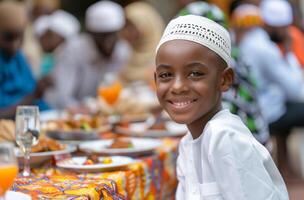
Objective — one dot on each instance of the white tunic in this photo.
(80, 68)
(226, 162)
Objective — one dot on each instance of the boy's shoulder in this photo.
(225, 121)
(225, 131)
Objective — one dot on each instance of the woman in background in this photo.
(143, 31)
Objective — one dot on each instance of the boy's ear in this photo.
(154, 77)
(227, 79)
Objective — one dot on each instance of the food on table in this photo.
(7, 130)
(94, 159)
(47, 144)
(158, 126)
(161, 126)
(121, 143)
(107, 160)
(86, 123)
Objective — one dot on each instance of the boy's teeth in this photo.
(182, 103)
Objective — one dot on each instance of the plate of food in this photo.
(94, 163)
(45, 150)
(77, 128)
(121, 146)
(155, 130)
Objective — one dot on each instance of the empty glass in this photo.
(27, 132)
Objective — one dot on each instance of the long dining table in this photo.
(151, 177)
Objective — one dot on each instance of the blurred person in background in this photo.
(31, 47)
(17, 84)
(235, 3)
(183, 3)
(143, 30)
(53, 32)
(288, 37)
(87, 58)
(280, 83)
(242, 98)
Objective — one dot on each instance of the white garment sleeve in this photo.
(240, 170)
(285, 72)
(180, 171)
(65, 76)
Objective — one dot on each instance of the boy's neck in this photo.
(196, 128)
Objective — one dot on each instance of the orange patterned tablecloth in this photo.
(153, 177)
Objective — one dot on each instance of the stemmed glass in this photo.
(27, 132)
(8, 167)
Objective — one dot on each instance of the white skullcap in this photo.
(200, 30)
(276, 12)
(104, 16)
(60, 22)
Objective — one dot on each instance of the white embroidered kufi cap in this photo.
(104, 16)
(200, 30)
(276, 12)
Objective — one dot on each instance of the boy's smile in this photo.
(181, 104)
(189, 81)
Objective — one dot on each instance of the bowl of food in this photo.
(44, 151)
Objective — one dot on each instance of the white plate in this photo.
(41, 157)
(11, 195)
(76, 164)
(78, 135)
(52, 115)
(140, 129)
(141, 146)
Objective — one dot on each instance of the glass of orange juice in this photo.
(8, 167)
(109, 89)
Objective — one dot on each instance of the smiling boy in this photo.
(219, 158)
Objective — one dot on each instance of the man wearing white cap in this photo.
(279, 77)
(88, 57)
(53, 31)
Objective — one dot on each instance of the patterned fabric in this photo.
(206, 10)
(246, 16)
(242, 100)
(153, 177)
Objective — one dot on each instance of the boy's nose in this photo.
(179, 86)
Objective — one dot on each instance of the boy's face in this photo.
(189, 80)
(11, 41)
(50, 41)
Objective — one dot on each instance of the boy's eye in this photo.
(164, 75)
(196, 74)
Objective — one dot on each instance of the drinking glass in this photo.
(27, 132)
(8, 167)
(109, 89)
